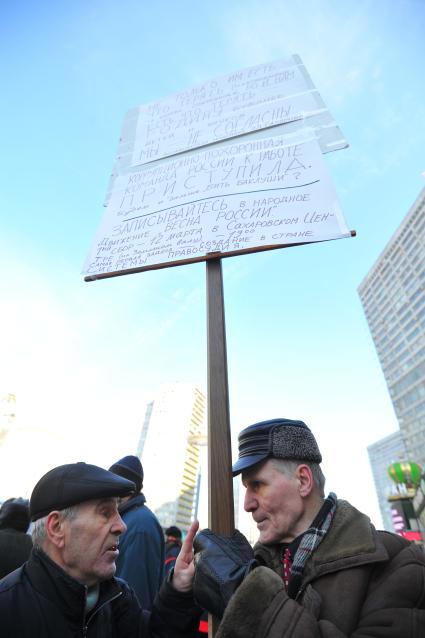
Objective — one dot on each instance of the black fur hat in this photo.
(277, 438)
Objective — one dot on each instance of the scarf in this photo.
(307, 543)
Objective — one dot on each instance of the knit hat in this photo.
(75, 483)
(15, 514)
(277, 438)
(130, 468)
(173, 531)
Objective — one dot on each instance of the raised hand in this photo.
(184, 569)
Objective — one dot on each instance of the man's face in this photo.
(275, 503)
(91, 541)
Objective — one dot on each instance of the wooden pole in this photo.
(220, 486)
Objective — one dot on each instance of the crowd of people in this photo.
(98, 564)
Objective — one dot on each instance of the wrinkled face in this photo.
(91, 541)
(275, 503)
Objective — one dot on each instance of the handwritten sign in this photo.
(226, 199)
(270, 99)
(178, 132)
(251, 99)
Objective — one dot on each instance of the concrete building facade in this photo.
(393, 298)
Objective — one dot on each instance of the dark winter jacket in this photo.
(141, 559)
(172, 550)
(15, 548)
(358, 583)
(15, 544)
(39, 600)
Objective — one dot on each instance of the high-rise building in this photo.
(170, 454)
(393, 298)
(381, 454)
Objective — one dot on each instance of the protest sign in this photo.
(255, 98)
(279, 98)
(237, 197)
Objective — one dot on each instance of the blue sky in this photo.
(83, 358)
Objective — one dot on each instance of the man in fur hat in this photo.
(319, 568)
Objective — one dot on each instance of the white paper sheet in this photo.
(233, 197)
(251, 99)
(180, 132)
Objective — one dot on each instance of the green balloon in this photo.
(405, 472)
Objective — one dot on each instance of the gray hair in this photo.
(39, 533)
(288, 467)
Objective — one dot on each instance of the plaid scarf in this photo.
(309, 541)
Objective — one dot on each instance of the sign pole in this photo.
(220, 486)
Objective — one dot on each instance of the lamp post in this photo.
(200, 441)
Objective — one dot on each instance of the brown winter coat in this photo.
(358, 583)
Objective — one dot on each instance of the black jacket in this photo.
(172, 550)
(39, 600)
(15, 548)
(15, 543)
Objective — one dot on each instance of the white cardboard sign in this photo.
(249, 100)
(229, 198)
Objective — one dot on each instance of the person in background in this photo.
(67, 587)
(173, 543)
(320, 568)
(143, 542)
(15, 543)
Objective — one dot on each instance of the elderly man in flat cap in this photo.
(319, 569)
(67, 587)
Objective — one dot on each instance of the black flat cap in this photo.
(75, 483)
(277, 438)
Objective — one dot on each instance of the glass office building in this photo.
(393, 298)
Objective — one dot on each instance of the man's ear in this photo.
(305, 477)
(55, 529)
